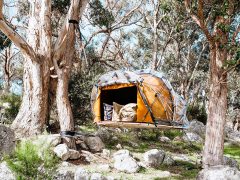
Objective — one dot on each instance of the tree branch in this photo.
(199, 19)
(76, 10)
(127, 15)
(15, 37)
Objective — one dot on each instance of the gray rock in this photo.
(178, 138)
(81, 174)
(154, 157)
(192, 137)
(122, 152)
(7, 140)
(182, 157)
(110, 178)
(124, 162)
(114, 138)
(81, 145)
(94, 143)
(65, 171)
(197, 127)
(227, 161)
(164, 139)
(106, 153)
(74, 154)
(234, 137)
(163, 175)
(5, 172)
(97, 176)
(62, 151)
(104, 167)
(64, 174)
(119, 146)
(168, 160)
(104, 134)
(219, 173)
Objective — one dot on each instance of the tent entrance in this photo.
(121, 96)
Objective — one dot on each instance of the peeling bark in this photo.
(39, 54)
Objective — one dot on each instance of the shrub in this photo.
(12, 104)
(172, 133)
(197, 112)
(26, 163)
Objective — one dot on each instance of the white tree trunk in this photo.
(38, 56)
(33, 111)
(64, 53)
(32, 114)
(155, 49)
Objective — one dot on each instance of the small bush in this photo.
(197, 112)
(26, 163)
(13, 102)
(171, 134)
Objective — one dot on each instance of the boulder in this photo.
(81, 145)
(7, 140)
(163, 175)
(192, 137)
(219, 173)
(178, 138)
(154, 157)
(110, 178)
(227, 161)
(234, 136)
(64, 174)
(65, 171)
(97, 176)
(119, 146)
(164, 139)
(62, 151)
(124, 162)
(104, 134)
(94, 143)
(168, 160)
(81, 174)
(74, 154)
(5, 172)
(104, 167)
(197, 127)
(106, 153)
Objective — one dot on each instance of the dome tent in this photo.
(158, 105)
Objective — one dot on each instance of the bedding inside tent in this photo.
(123, 96)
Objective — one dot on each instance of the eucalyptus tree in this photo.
(216, 19)
(40, 53)
(156, 13)
(110, 23)
(11, 68)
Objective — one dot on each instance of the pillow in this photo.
(128, 113)
(116, 108)
(108, 110)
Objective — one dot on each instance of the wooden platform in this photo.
(135, 125)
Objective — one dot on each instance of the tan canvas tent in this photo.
(158, 105)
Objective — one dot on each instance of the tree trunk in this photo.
(6, 87)
(38, 56)
(64, 108)
(32, 114)
(217, 108)
(155, 49)
(33, 111)
(62, 59)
